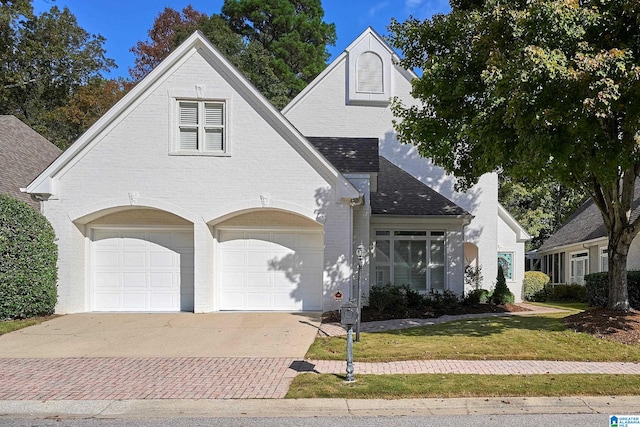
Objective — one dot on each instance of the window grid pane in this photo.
(213, 140)
(189, 139)
(213, 115)
(188, 113)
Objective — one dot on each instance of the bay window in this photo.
(413, 258)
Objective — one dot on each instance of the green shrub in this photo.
(394, 299)
(534, 284)
(477, 296)
(597, 288)
(28, 272)
(567, 293)
(442, 302)
(501, 294)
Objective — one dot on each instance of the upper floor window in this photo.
(370, 78)
(201, 127)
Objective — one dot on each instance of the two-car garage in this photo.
(146, 269)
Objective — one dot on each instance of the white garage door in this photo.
(142, 270)
(271, 270)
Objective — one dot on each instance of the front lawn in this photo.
(542, 337)
(7, 326)
(458, 385)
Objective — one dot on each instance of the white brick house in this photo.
(350, 98)
(193, 193)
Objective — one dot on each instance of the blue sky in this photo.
(124, 22)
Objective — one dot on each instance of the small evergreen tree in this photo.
(502, 294)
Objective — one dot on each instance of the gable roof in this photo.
(24, 154)
(585, 224)
(349, 155)
(399, 193)
(369, 31)
(197, 42)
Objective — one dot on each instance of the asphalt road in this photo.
(582, 420)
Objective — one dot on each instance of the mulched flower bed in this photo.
(370, 315)
(607, 324)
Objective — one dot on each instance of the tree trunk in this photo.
(618, 292)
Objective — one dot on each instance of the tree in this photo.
(49, 58)
(163, 38)
(533, 89)
(84, 108)
(540, 207)
(291, 31)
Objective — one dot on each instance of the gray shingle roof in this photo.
(399, 193)
(349, 155)
(585, 224)
(24, 154)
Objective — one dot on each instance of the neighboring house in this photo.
(350, 98)
(24, 154)
(194, 193)
(579, 247)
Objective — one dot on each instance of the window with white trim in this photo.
(201, 127)
(604, 259)
(410, 257)
(579, 266)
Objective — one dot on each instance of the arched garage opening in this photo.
(140, 260)
(269, 260)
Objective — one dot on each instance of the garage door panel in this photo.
(134, 259)
(233, 258)
(159, 280)
(132, 280)
(277, 271)
(162, 259)
(258, 301)
(258, 280)
(133, 301)
(149, 270)
(107, 300)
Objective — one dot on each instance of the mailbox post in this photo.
(349, 317)
(360, 253)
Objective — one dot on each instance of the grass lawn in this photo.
(541, 337)
(7, 326)
(575, 306)
(450, 385)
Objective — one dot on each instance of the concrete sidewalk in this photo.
(138, 409)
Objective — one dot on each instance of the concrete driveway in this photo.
(234, 334)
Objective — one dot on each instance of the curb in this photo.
(318, 407)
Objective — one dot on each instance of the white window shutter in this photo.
(369, 73)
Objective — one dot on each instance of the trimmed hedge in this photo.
(534, 284)
(28, 256)
(597, 285)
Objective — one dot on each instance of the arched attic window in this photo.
(370, 73)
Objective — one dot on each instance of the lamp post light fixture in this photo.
(361, 252)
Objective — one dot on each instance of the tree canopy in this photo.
(533, 89)
(280, 45)
(47, 58)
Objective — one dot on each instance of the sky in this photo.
(124, 22)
